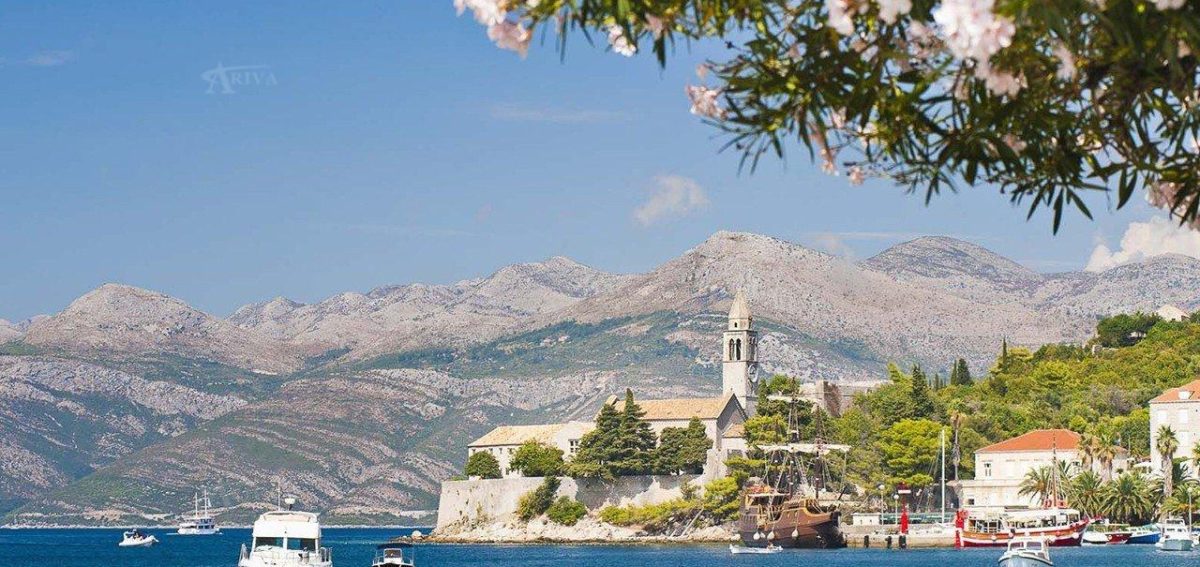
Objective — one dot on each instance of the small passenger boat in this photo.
(740, 549)
(394, 554)
(1026, 552)
(135, 538)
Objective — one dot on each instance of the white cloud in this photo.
(1143, 240)
(673, 196)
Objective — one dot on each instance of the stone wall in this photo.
(466, 504)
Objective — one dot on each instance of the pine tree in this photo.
(920, 401)
(634, 446)
(961, 374)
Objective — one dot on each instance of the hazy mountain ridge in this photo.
(411, 373)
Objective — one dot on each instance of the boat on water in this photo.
(1057, 527)
(783, 508)
(1026, 552)
(137, 538)
(201, 521)
(1144, 535)
(1107, 534)
(739, 550)
(1175, 536)
(394, 554)
(286, 538)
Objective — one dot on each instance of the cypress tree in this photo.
(961, 376)
(920, 401)
(634, 447)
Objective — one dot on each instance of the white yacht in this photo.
(201, 521)
(286, 538)
(1026, 551)
(1176, 536)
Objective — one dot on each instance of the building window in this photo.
(574, 446)
(987, 470)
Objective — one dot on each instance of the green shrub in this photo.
(536, 502)
(566, 511)
(483, 465)
(722, 499)
(651, 517)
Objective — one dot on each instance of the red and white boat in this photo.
(995, 528)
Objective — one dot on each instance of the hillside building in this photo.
(1179, 409)
(723, 419)
(502, 442)
(1000, 467)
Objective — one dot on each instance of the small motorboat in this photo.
(135, 538)
(740, 549)
(1026, 551)
(1144, 535)
(1106, 534)
(394, 554)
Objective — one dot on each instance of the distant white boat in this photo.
(201, 521)
(1026, 552)
(395, 554)
(135, 538)
(739, 549)
(286, 538)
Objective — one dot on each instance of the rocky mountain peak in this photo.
(9, 331)
(946, 257)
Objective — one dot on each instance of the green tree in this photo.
(537, 501)
(633, 452)
(961, 374)
(1046, 105)
(483, 465)
(1086, 493)
(596, 448)
(682, 449)
(534, 458)
(1127, 499)
(566, 511)
(919, 396)
(721, 499)
(1047, 484)
(1125, 329)
(1166, 445)
(910, 448)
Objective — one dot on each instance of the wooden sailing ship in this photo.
(782, 507)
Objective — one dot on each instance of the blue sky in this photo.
(388, 143)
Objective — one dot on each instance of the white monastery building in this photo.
(1000, 467)
(1179, 409)
(503, 441)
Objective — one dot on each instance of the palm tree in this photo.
(1088, 447)
(1196, 455)
(1106, 452)
(1127, 499)
(1047, 484)
(1166, 445)
(1086, 493)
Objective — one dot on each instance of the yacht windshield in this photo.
(302, 544)
(268, 541)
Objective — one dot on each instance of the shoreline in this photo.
(424, 529)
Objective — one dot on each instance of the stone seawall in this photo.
(470, 504)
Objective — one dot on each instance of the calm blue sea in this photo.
(354, 547)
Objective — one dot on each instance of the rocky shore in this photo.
(587, 530)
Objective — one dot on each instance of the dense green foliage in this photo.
(483, 465)
(566, 511)
(960, 375)
(622, 444)
(682, 450)
(1101, 394)
(534, 458)
(538, 501)
(718, 505)
(1124, 329)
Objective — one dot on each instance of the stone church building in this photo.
(721, 415)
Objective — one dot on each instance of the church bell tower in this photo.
(739, 369)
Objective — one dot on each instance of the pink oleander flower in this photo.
(999, 82)
(1066, 62)
(971, 29)
(511, 36)
(705, 101)
(856, 175)
(891, 10)
(487, 12)
(1012, 141)
(1169, 4)
(620, 43)
(841, 14)
(702, 70)
(656, 25)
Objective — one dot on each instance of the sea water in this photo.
(354, 547)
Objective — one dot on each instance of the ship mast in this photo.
(942, 439)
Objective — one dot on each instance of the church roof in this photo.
(681, 408)
(519, 434)
(740, 308)
(735, 431)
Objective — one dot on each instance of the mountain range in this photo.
(117, 408)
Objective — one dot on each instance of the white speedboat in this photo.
(395, 554)
(1176, 536)
(201, 521)
(135, 538)
(1026, 552)
(740, 549)
(286, 538)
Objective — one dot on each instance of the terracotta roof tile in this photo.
(677, 409)
(1189, 392)
(518, 434)
(1037, 440)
